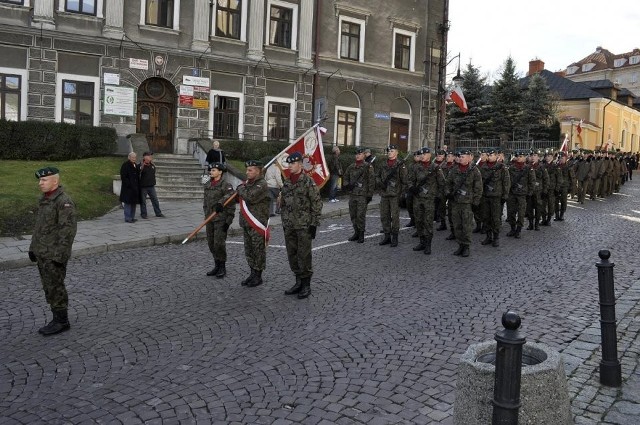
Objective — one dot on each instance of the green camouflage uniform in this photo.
(563, 189)
(256, 195)
(583, 179)
(411, 169)
(390, 181)
(218, 193)
(496, 182)
(51, 243)
(441, 201)
(426, 183)
(359, 178)
(596, 172)
(300, 207)
(522, 182)
(464, 189)
(556, 180)
(536, 202)
(446, 167)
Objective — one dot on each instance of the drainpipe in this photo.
(604, 110)
(426, 83)
(316, 42)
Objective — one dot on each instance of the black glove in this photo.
(32, 256)
(450, 197)
(240, 186)
(225, 227)
(57, 263)
(218, 207)
(369, 198)
(349, 186)
(312, 231)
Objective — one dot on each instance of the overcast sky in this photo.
(558, 32)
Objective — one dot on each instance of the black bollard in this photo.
(610, 370)
(506, 389)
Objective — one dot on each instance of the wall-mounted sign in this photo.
(190, 80)
(186, 95)
(138, 63)
(194, 96)
(382, 115)
(111, 79)
(119, 101)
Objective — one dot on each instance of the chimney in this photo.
(535, 66)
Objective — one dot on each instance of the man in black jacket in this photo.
(148, 185)
(130, 190)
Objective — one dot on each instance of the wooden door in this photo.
(399, 133)
(155, 116)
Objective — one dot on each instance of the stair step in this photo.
(178, 177)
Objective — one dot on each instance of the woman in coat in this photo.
(130, 190)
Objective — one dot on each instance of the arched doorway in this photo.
(400, 125)
(155, 118)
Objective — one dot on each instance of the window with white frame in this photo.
(226, 115)
(230, 19)
(588, 67)
(10, 96)
(282, 24)
(404, 49)
(77, 99)
(18, 2)
(572, 69)
(347, 123)
(160, 13)
(619, 62)
(82, 7)
(351, 40)
(279, 120)
(634, 60)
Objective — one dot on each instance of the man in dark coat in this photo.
(130, 190)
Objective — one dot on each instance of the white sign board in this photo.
(195, 81)
(112, 79)
(186, 90)
(138, 63)
(119, 101)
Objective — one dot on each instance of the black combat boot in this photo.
(394, 240)
(361, 237)
(557, 217)
(415, 234)
(249, 279)
(536, 225)
(427, 248)
(60, 323)
(257, 279)
(512, 232)
(386, 240)
(214, 271)
(451, 236)
(518, 229)
(496, 240)
(459, 250)
(410, 223)
(354, 237)
(530, 227)
(465, 251)
(443, 225)
(305, 290)
(421, 245)
(222, 270)
(561, 216)
(295, 288)
(478, 228)
(487, 239)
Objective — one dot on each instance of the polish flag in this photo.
(313, 162)
(579, 130)
(565, 144)
(458, 98)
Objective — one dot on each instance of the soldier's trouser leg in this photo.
(298, 243)
(385, 214)
(441, 208)
(531, 206)
(420, 213)
(521, 206)
(412, 215)
(356, 204)
(562, 201)
(493, 220)
(604, 186)
(512, 209)
(594, 188)
(462, 222)
(52, 276)
(217, 240)
(394, 214)
(450, 214)
(539, 206)
(361, 216)
(255, 249)
(551, 204)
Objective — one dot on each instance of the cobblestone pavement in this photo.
(153, 340)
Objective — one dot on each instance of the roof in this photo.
(565, 88)
(604, 59)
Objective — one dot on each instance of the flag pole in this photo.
(209, 218)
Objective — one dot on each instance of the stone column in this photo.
(201, 14)
(256, 30)
(305, 31)
(43, 15)
(114, 17)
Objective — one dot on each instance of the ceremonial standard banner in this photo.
(314, 162)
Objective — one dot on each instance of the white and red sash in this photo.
(255, 224)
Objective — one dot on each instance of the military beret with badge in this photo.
(46, 172)
(253, 163)
(294, 157)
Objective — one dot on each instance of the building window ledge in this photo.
(345, 8)
(217, 39)
(404, 24)
(80, 16)
(163, 30)
(280, 49)
(24, 7)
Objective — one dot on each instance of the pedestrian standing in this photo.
(50, 246)
(215, 154)
(216, 193)
(451, 162)
(148, 185)
(130, 189)
(391, 179)
(335, 172)
(359, 180)
(273, 177)
(253, 195)
(301, 207)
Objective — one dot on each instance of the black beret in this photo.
(147, 153)
(465, 152)
(394, 147)
(490, 151)
(253, 163)
(561, 154)
(220, 166)
(536, 152)
(519, 153)
(294, 157)
(425, 150)
(418, 152)
(359, 150)
(441, 152)
(46, 172)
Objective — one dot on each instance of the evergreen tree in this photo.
(506, 101)
(465, 126)
(538, 109)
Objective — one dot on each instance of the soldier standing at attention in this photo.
(216, 193)
(555, 182)
(583, 176)
(441, 201)
(426, 184)
(51, 244)
(563, 188)
(254, 219)
(446, 168)
(497, 183)
(417, 156)
(464, 189)
(536, 201)
(359, 180)
(478, 212)
(390, 180)
(522, 181)
(301, 207)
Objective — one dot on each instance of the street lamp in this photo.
(442, 92)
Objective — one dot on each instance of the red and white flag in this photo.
(314, 162)
(565, 144)
(457, 97)
(579, 130)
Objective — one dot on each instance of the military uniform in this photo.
(441, 200)
(536, 202)
(464, 189)
(359, 179)
(446, 168)
(216, 194)
(408, 195)
(300, 207)
(426, 183)
(50, 248)
(556, 180)
(255, 194)
(391, 179)
(522, 183)
(568, 176)
(496, 182)
(583, 176)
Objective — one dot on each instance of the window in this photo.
(588, 67)
(278, 121)
(77, 101)
(404, 49)
(10, 90)
(160, 13)
(346, 128)
(350, 40)
(634, 60)
(228, 18)
(87, 7)
(20, 2)
(619, 62)
(282, 23)
(633, 78)
(226, 117)
(572, 70)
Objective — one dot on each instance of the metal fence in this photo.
(507, 146)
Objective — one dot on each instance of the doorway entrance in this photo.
(155, 116)
(399, 133)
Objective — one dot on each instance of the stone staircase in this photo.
(178, 177)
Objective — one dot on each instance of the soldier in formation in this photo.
(522, 180)
(496, 185)
(391, 179)
(359, 180)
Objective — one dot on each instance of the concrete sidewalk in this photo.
(111, 233)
